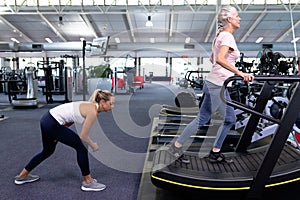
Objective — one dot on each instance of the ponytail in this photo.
(98, 95)
(224, 13)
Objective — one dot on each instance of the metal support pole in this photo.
(84, 72)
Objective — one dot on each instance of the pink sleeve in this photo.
(228, 40)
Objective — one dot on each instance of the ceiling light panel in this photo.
(48, 40)
(259, 40)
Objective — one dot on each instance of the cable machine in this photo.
(57, 81)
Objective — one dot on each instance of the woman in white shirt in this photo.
(54, 128)
(224, 55)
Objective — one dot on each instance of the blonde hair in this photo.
(98, 95)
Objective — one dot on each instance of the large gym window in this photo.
(140, 2)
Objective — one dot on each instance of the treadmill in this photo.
(255, 169)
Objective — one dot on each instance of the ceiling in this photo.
(172, 24)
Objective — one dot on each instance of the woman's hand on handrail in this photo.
(246, 76)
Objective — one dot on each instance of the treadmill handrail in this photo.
(256, 78)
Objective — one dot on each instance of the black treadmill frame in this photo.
(279, 138)
(278, 141)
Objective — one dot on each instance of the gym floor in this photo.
(125, 172)
(60, 175)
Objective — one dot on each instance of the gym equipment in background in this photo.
(58, 81)
(31, 90)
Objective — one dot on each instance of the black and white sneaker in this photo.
(178, 155)
(217, 157)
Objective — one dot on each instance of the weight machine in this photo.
(58, 81)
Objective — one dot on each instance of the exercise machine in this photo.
(255, 168)
(31, 100)
(58, 81)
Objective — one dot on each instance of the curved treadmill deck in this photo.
(201, 174)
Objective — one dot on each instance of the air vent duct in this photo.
(37, 47)
(8, 46)
(189, 46)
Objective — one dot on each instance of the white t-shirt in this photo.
(68, 112)
(219, 74)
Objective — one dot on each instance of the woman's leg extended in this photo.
(70, 138)
(52, 132)
(48, 148)
(202, 118)
(49, 143)
(228, 115)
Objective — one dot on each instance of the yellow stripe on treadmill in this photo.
(284, 182)
(213, 188)
(199, 187)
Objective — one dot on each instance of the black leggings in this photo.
(52, 132)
